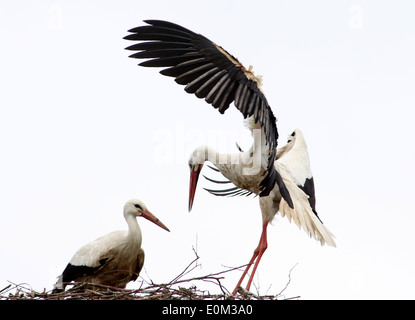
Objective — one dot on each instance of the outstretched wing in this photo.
(209, 72)
(303, 216)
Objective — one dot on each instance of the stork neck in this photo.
(208, 154)
(134, 231)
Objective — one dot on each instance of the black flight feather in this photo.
(166, 44)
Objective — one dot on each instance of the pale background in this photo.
(83, 129)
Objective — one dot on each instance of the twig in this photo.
(5, 288)
(173, 290)
(289, 281)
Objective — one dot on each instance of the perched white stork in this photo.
(113, 259)
(210, 72)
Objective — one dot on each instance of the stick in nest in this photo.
(173, 290)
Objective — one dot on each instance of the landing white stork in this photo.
(292, 161)
(212, 73)
(113, 259)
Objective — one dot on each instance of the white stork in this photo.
(292, 161)
(113, 259)
(210, 72)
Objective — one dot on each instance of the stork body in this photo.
(113, 259)
(244, 169)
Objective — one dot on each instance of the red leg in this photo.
(246, 271)
(259, 251)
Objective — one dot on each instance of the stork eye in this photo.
(138, 207)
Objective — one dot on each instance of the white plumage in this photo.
(113, 259)
(303, 216)
(294, 165)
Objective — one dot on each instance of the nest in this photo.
(180, 288)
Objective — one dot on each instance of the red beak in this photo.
(149, 216)
(194, 176)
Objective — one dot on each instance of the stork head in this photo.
(137, 208)
(296, 138)
(196, 161)
(291, 137)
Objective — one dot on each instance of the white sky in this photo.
(83, 129)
